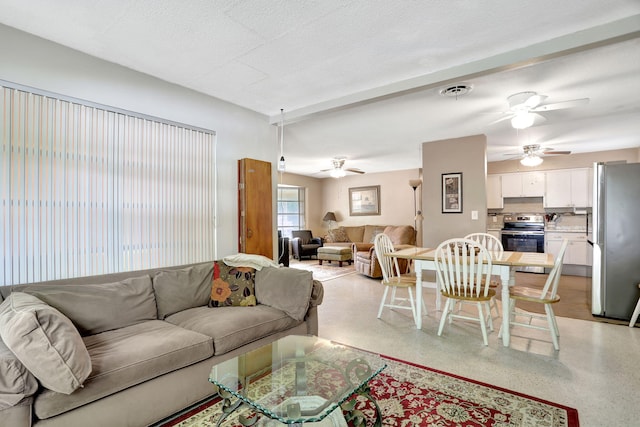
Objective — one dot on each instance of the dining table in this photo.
(503, 264)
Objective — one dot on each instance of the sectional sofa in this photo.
(360, 239)
(130, 349)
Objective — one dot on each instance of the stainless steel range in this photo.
(524, 233)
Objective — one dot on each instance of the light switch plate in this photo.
(474, 214)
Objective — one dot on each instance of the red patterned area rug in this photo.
(413, 395)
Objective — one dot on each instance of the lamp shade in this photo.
(329, 216)
(415, 183)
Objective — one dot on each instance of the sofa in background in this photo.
(130, 349)
(361, 237)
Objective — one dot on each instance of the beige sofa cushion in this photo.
(16, 382)
(95, 308)
(232, 327)
(128, 356)
(178, 290)
(45, 341)
(287, 289)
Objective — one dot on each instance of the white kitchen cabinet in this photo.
(578, 249)
(523, 184)
(494, 192)
(568, 188)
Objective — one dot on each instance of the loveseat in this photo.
(130, 349)
(361, 237)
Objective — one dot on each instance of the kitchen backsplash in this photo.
(566, 220)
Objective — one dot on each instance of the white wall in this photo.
(40, 64)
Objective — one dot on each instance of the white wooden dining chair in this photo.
(493, 245)
(464, 271)
(547, 296)
(393, 279)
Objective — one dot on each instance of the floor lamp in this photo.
(415, 183)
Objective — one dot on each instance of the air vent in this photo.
(457, 90)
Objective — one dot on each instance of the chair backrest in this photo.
(389, 265)
(463, 267)
(550, 289)
(492, 243)
(304, 235)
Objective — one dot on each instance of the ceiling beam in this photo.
(613, 32)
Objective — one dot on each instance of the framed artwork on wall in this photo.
(452, 192)
(364, 201)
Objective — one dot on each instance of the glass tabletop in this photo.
(297, 379)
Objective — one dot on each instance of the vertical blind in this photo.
(86, 189)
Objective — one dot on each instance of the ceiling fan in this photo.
(338, 170)
(525, 108)
(531, 155)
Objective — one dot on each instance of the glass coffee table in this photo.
(297, 380)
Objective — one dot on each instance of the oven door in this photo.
(524, 241)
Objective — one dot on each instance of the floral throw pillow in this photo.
(232, 286)
(338, 235)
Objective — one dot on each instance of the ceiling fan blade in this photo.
(562, 105)
(501, 119)
(354, 171)
(548, 151)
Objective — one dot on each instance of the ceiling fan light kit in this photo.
(338, 170)
(337, 173)
(522, 120)
(531, 160)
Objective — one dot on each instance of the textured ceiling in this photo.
(361, 78)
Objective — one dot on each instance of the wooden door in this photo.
(255, 207)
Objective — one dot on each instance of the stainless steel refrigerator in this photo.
(616, 239)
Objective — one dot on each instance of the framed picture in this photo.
(364, 201)
(452, 192)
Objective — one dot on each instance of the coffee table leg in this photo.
(229, 407)
(357, 417)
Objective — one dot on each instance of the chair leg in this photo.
(635, 315)
(483, 325)
(445, 313)
(555, 322)
(488, 316)
(552, 326)
(384, 299)
(413, 306)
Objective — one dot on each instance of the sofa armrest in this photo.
(316, 240)
(317, 294)
(361, 247)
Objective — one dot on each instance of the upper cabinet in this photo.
(525, 184)
(494, 192)
(568, 188)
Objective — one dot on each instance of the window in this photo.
(291, 209)
(86, 189)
